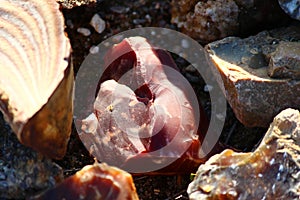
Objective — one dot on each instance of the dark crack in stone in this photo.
(272, 171)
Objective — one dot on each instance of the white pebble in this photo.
(220, 116)
(185, 44)
(84, 31)
(98, 23)
(94, 49)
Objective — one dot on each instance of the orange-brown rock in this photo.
(35, 81)
(270, 172)
(94, 182)
(244, 65)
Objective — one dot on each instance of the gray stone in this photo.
(22, 170)
(272, 171)
(206, 20)
(291, 7)
(254, 96)
(98, 23)
(285, 61)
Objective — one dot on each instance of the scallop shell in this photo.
(35, 81)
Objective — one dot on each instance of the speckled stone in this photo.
(254, 96)
(22, 170)
(94, 182)
(291, 7)
(207, 21)
(270, 172)
(285, 61)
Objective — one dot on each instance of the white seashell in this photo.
(34, 55)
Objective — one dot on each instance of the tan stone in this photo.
(210, 20)
(270, 172)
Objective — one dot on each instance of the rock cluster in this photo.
(206, 21)
(270, 172)
(210, 20)
(22, 170)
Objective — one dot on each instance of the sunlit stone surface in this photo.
(94, 182)
(260, 73)
(272, 171)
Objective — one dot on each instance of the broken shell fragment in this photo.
(146, 114)
(96, 182)
(270, 172)
(35, 81)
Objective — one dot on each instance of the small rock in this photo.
(285, 61)
(207, 21)
(98, 23)
(291, 7)
(84, 31)
(94, 49)
(254, 96)
(97, 182)
(210, 20)
(270, 172)
(119, 9)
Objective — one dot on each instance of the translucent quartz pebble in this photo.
(146, 115)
